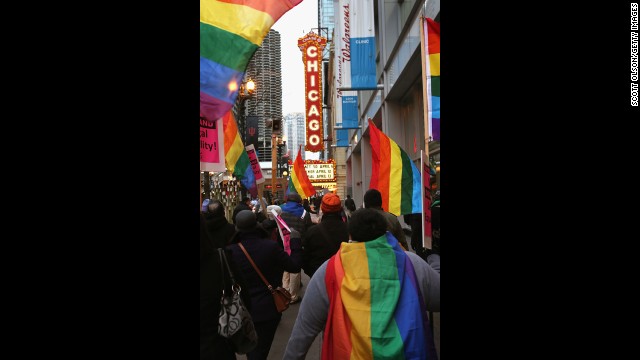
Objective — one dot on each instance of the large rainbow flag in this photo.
(432, 52)
(394, 175)
(299, 181)
(375, 312)
(230, 33)
(235, 154)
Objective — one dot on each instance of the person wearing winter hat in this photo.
(296, 217)
(324, 239)
(205, 202)
(373, 200)
(272, 260)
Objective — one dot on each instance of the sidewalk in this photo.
(284, 331)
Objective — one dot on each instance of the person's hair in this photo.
(216, 208)
(367, 224)
(245, 199)
(305, 205)
(348, 196)
(294, 197)
(372, 198)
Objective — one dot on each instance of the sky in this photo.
(293, 25)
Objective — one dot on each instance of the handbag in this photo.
(234, 320)
(281, 297)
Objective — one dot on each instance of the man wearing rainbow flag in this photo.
(371, 299)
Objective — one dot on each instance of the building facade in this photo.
(397, 106)
(265, 69)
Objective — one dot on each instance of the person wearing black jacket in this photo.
(212, 345)
(323, 240)
(220, 230)
(272, 260)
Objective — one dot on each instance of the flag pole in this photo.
(425, 95)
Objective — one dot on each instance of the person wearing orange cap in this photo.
(324, 239)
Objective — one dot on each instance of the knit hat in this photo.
(205, 202)
(246, 221)
(330, 203)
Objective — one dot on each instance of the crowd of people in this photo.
(358, 260)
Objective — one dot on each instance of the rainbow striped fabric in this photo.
(235, 154)
(432, 50)
(299, 181)
(230, 33)
(394, 175)
(375, 311)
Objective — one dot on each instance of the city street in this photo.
(284, 330)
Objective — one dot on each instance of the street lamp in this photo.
(247, 89)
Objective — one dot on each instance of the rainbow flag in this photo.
(230, 33)
(299, 181)
(375, 312)
(394, 175)
(235, 154)
(432, 52)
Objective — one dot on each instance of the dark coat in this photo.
(220, 230)
(318, 247)
(212, 345)
(292, 215)
(272, 261)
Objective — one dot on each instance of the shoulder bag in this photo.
(234, 320)
(281, 296)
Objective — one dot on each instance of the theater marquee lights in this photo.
(311, 46)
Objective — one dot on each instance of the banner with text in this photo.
(363, 46)
(255, 164)
(211, 145)
(342, 138)
(251, 126)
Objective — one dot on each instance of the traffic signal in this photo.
(276, 126)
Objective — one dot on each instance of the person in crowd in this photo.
(306, 205)
(370, 275)
(205, 202)
(350, 205)
(296, 217)
(272, 260)
(245, 204)
(218, 227)
(373, 200)
(324, 239)
(270, 226)
(212, 345)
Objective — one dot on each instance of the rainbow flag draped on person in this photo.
(235, 154)
(230, 33)
(394, 175)
(432, 52)
(299, 181)
(375, 312)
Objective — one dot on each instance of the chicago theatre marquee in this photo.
(321, 173)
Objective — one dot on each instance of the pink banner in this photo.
(255, 164)
(285, 232)
(211, 146)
